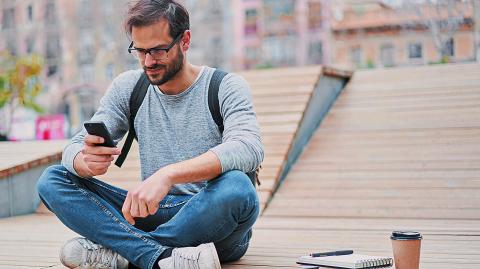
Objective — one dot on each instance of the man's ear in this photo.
(185, 42)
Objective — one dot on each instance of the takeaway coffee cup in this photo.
(406, 249)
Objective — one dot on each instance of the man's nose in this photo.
(149, 61)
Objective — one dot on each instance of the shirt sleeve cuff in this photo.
(69, 154)
(218, 151)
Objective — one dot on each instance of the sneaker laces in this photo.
(186, 259)
(99, 256)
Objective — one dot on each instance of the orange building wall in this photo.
(371, 46)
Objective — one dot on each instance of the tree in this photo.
(442, 17)
(19, 86)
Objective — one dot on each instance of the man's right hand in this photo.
(94, 160)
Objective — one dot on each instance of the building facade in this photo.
(476, 21)
(83, 45)
(383, 36)
(272, 33)
(210, 23)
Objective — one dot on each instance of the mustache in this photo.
(153, 67)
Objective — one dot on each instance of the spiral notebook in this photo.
(352, 261)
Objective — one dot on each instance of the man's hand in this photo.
(144, 199)
(94, 160)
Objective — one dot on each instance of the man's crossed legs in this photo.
(223, 212)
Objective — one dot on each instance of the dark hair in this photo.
(147, 12)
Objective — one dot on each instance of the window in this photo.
(109, 71)
(85, 14)
(449, 48)
(315, 53)
(280, 50)
(107, 8)
(52, 53)
(88, 103)
(30, 42)
(251, 18)
(356, 56)
(216, 44)
(8, 20)
(252, 57)
(109, 27)
(415, 51)
(50, 13)
(52, 70)
(279, 9)
(387, 55)
(12, 45)
(86, 48)
(216, 8)
(87, 73)
(52, 47)
(314, 15)
(30, 13)
(279, 15)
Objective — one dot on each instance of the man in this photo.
(195, 190)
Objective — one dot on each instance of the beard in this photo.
(171, 70)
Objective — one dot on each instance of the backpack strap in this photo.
(214, 106)
(136, 100)
(213, 102)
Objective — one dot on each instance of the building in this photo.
(378, 35)
(271, 33)
(83, 45)
(476, 12)
(210, 22)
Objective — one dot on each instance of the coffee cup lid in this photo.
(405, 235)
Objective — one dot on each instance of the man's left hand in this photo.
(143, 200)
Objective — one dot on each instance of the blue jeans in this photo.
(223, 212)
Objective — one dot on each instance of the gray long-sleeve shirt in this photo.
(174, 128)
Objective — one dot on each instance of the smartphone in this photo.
(98, 128)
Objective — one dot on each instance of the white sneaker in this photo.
(81, 253)
(201, 257)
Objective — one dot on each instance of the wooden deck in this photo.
(34, 241)
(399, 150)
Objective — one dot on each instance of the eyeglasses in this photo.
(157, 53)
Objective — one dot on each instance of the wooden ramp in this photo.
(400, 149)
(280, 98)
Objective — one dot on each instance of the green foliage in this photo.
(370, 64)
(444, 60)
(19, 82)
(265, 65)
(4, 96)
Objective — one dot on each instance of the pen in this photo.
(332, 253)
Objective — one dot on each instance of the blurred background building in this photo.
(83, 42)
(272, 33)
(382, 35)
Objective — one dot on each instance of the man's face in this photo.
(159, 71)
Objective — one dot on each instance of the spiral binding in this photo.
(376, 263)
